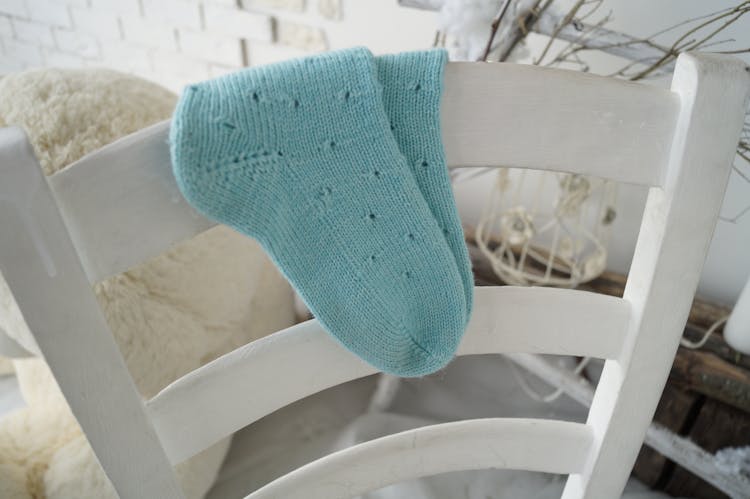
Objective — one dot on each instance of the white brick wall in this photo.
(50, 12)
(148, 33)
(104, 28)
(238, 23)
(173, 42)
(211, 47)
(77, 43)
(33, 32)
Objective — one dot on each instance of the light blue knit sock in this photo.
(412, 89)
(300, 156)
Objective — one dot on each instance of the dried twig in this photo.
(569, 17)
(494, 27)
(680, 45)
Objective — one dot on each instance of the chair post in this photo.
(44, 273)
(675, 234)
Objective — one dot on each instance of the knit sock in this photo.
(299, 155)
(412, 89)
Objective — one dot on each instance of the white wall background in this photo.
(175, 42)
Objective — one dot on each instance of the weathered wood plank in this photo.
(709, 375)
(674, 412)
(717, 426)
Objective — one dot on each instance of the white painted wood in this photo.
(531, 444)
(208, 403)
(41, 267)
(576, 387)
(10, 348)
(122, 205)
(248, 383)
(551, 119)
(570, 323)
(696, 460)
(678, 223)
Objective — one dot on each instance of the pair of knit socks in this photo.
(335, 164)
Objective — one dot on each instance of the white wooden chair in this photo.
(120, 206)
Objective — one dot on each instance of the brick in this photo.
(6, 29)
(8, 65)
(27, 54)
(123, 7)
(51, 13)
(213, 48)
(266, 53)
(301, 36)
(151, 34)
(223, 3)
(74, 42)
(179, 13)
(239, 23)
(59, 59)
(102, 25)
(28, 31)
(330, 9)
(216, 70)
(74, 3)
(16, 8)
(126, 57)
(176, 70)
(293, 5)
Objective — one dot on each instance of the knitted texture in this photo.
(412, 89)
(299, 155)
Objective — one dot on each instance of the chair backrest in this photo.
(120, 205)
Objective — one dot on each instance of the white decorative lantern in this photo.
(547, 229)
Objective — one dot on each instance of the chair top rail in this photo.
(209, 403)
(122, 205)
(550, 119)
(523, 444)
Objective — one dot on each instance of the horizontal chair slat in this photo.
(557, 120)
(210, 402)
(514, 319)
(525, 444)
(122, 205)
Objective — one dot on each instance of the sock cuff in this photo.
(301, 107)
(412, 94)
(409, 70)
(413, 77)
